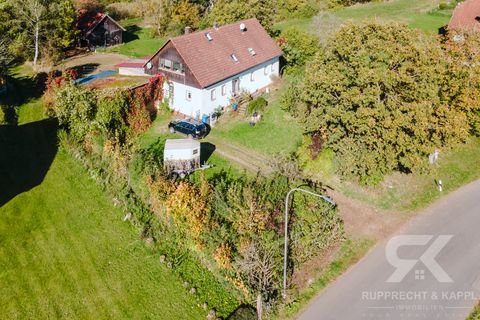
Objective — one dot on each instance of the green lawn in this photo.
(65, 252)
(277, 132)
(138, 42)
(416, 13)
(421, 14)
(411, 192)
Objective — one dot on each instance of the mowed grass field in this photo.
(420, 14)
(139, 42)
(65, 252)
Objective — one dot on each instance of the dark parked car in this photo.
(192, 128)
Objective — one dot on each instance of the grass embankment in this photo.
(411, 192)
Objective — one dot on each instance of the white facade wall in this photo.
(126, 71)
(180, 102)
(201, 101)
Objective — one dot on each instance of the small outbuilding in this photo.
(98, 29)
(132, 68)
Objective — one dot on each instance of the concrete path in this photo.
(450, 231)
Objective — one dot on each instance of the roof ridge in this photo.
(213, 28)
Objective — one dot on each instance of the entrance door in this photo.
(236, 86)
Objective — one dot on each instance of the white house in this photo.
(205, 69)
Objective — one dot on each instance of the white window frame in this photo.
(252, 76)
(213, 95)
(224, 90)
(272, 67)
(265, 70)
(188, 95)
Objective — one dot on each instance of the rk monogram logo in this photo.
(405, 266)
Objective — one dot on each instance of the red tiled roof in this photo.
(137, 63)
(88, 20)
(465, 16)
(211, 61)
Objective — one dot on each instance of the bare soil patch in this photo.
(101, 61)
(365, 221)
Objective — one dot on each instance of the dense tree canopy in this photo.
(298, 46)
(462, 80)
(36, 26)
(374, 95)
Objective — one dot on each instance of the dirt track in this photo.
(100, 61)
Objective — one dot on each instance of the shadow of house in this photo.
(206, 150)
(27, 151)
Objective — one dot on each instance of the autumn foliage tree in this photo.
(462, 80)
(374, 95)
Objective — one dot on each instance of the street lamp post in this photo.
(284, 293)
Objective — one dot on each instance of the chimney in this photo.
(188, 30)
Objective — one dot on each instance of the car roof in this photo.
(190, 121)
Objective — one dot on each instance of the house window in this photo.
(265, 70)
(178, 67)
(272, 67)
(165, 64)
(213, 95)
(224, 90)
(188, 95)
(252, 77)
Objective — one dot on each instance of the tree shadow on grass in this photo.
(26, 154)
(20, 90)
(131, 33)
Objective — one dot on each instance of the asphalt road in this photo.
(365, 293)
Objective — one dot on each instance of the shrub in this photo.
(322, 165)
(257, 104)
(443, 6)
(298, 46)
(243, 313)
(345, 3)
(123, 10)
